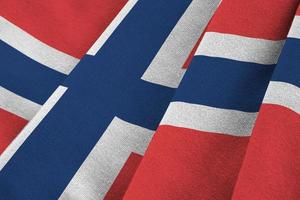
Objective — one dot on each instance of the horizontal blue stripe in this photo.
(288, 67)
(26, 77)
(224, 83)
(100, 88)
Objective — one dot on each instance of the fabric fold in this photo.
(199, 147)
(271, 168)
(40, 45)
(86, 136)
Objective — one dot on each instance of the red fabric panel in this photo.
(120, 185)
(186, 164)
(271, 169)
(298, 11)
(70, 26)
(10, 126)
(270, 20)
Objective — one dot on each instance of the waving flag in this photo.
(201, 141)
(132, 104)
(271, 166)
(140, 99)
(40, 45)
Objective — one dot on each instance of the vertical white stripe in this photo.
(101, 167)
(111, 28)
(17, 105)
(35, 49)
(166, 67)
(25, 133)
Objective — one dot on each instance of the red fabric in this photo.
(250, 21)
(120, 185)
(70, 26)
(10, 126)
(298, 11)
(271, 169)
(186, 164)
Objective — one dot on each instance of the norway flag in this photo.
(149, 100)
(40, 44)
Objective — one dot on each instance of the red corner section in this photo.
(10, 126)
(254, 18)
(120, 185)
(70, 26)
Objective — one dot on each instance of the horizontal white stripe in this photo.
(295, 28)
(17, 105)
(209, 119)
(166, 67)
(111, 28)
(27, 130)
(35, 49)
(240, 48)
(103, 164)
(284, 94)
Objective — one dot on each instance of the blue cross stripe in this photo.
(26, 77)
(235, 84)
(100, 88)
(287, 69)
